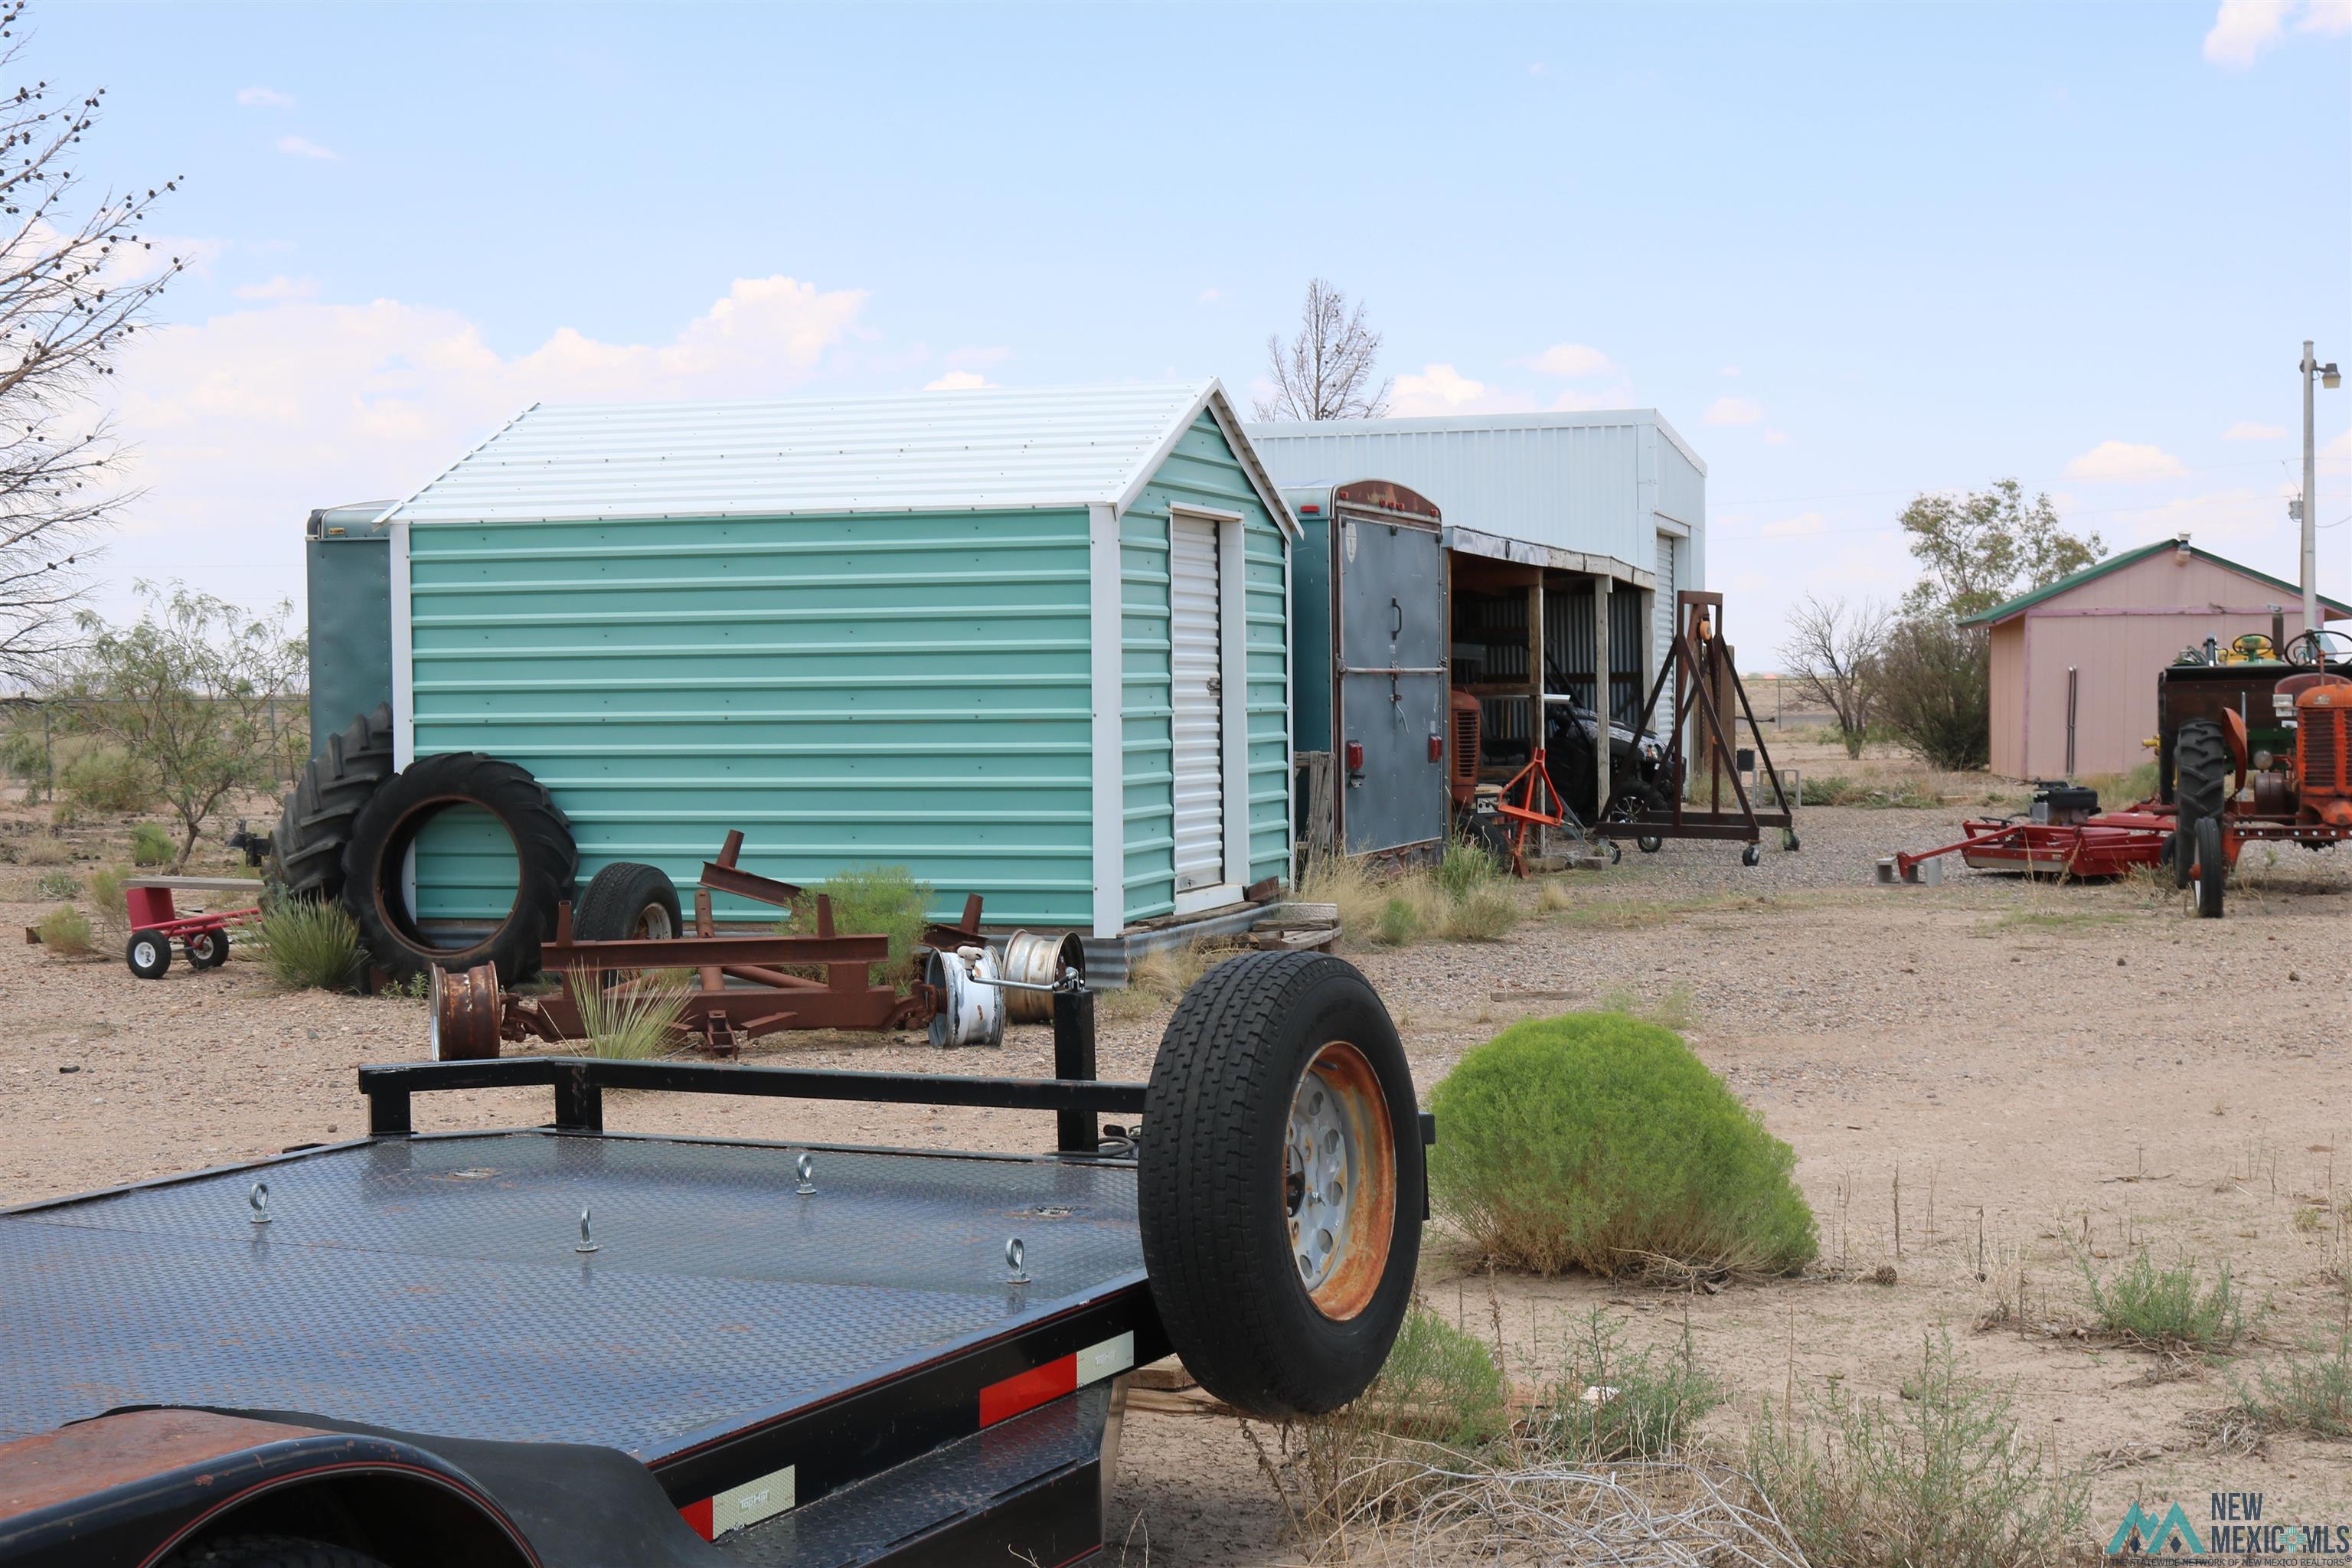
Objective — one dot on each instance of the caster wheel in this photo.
(1616, 852)
(1752, 855)
(207, 950)
(1649, 844)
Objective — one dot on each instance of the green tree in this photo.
(206, 695)
(1976, 550)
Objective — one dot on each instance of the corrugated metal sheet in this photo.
(1588, 482)
(1198, 700)
(996, 448)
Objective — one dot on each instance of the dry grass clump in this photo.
(1159, 978)
(629, 1022)
(1464, 897)
(1942, 1474)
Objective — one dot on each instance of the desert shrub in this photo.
(1465, 869)
(2166, 1309)
(1942, 1475)
(41, 850)
(2308, 1391)
(106, 902)
(65, 929)
(310, 945)
(1599, 1142)
(1609, 1403)
(871, 901)
(1485, 914)
(1439, 1386)
(1936, 691)
(25, 756)
(150, 845)
(1399, 922)
(58, 885)
(628, 1023)
(107, 778)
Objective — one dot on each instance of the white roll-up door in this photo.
(1196, 662)
(1664, 632)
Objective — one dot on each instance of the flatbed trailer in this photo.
(565, 1345)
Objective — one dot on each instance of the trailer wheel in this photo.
(315, 820)
(627, 901)
(208, 949)
(1281, 1182)
(545, 860)
(149, 956)
(272, 1552)
(2212, 867)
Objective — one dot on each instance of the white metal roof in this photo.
(991, 449)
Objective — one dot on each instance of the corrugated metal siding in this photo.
(911, 689)
(1205, 471)
(993, 448)
(1574, 481)
(2008, 719)
(1198, 702)
(1663, 608)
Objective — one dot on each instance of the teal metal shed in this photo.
(1028, 644)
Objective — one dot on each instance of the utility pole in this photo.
(2311, 366)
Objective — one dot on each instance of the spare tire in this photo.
(1280, 1183)
(627, 899)
(386, 829)
(315, 822)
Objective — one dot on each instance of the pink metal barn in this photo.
(2075, 664)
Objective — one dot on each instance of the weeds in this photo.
(627, 1021)
(38, 851)
(2166, 1309)
(58, 885)
(308, 945)
(871, 901)
(106, 900)
(1609, 1404)
(1674, 1010)
(1462, 898)
(1942, 1475)
(65, 929)
(150, 845)
(1161, 977)
(2310, 1391)
(108, 779)
(1345, 883)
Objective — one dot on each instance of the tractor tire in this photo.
(2201, 770)
(1280, 1183)
(316, 821)
(545, 860)
(271, 1552)
(2212, 868)
(627, 899)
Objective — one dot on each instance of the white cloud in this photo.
(1796, 527)
(264, 98)
(2249, 430)
(1442, 389)
(303, 147)
(1572, 359)
(281, 287)
(958, 381)
(2244, 30)
(244, 421)
(2124, 460)
(1736, 411)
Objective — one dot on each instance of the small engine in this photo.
(2064, 804)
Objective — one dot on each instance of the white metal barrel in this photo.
(971, 1012)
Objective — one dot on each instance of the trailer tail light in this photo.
(1437, 748)
(1355, 757)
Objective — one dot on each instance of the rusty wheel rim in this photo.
(1339, 1180)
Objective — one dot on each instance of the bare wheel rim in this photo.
(653, 923)
(1339, 1180)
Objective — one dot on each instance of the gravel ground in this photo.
(2035, 1062)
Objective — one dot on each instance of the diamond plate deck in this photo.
(431, 1284)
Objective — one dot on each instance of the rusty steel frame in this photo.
(1696, 660)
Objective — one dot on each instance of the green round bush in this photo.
(1596, 1140)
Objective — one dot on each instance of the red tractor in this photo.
(2256, 751)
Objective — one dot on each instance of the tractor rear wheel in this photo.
(2200, 787)
(308, 842)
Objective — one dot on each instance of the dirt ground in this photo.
(2034, 1063)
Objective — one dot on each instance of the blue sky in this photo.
(1850, 251)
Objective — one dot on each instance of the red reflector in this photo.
(1436, 748)
(1355, 756)
(697, 1518)
(1028, 1390)
(1311, 506)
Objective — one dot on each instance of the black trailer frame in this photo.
(990, 1437)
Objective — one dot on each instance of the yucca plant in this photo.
(627, 1022)
(310, 945)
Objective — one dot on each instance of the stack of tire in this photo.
(348, 825)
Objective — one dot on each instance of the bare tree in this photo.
(1833, 655)
(71, 288)
(1327, 371)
